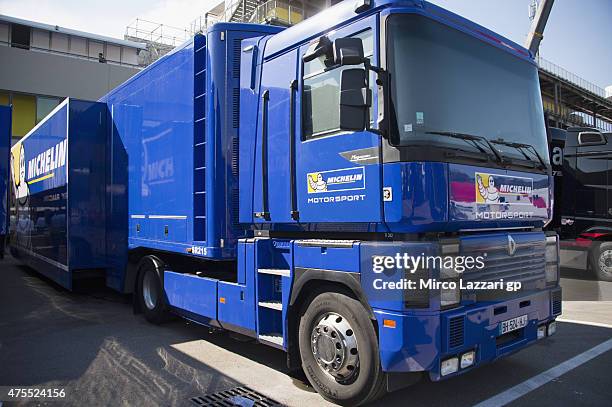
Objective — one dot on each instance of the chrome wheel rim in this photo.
(149, 290)
(334, 347)
(605, 262)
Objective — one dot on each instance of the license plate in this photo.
(513, 324)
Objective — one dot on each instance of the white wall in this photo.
(113, 52)
(45, 73)
(40, 39)
(129, 56)
(59, 42)
(4, 33)
(78, 45)
(95, 48)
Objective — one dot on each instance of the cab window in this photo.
(321, 93)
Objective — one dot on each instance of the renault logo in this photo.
(511, 246)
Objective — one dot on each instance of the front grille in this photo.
(556, 302)
(237, 396)
(526, 265)
(456, 331)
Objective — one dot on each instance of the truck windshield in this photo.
(446, 81)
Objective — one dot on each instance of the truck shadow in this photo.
(92, 344)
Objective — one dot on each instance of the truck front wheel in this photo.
(339, 350)
(150, 292)
(601, 261)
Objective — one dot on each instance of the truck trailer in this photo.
(338, 190)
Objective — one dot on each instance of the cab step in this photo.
(275, 339)
(276, 305)
(275, 272)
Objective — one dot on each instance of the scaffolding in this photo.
(571, 100)
(159, 38)
(278, 13)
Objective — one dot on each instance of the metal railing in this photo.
(278, 12)
(157, 33)
(200, 24)
(563, 73)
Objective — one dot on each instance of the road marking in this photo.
(535, 382)
(576, 321)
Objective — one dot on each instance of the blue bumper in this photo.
(421, 340)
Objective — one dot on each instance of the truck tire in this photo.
(150, 292)
(339, 350)
(601, 261)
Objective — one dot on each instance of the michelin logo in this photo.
(18, 166)
(503, 189)
(490, 193)
(48, 161)
(347, 179)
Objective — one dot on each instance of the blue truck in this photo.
(339, 190)
(5, 144)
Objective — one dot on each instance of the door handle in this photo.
(265, 211)
(295, 215)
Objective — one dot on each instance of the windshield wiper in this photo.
(522, 147)
(470, 137)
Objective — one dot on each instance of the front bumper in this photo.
(421, 340)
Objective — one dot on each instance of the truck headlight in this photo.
(552, 273)
(552, 259)
(449, 366)
(467, 359)
(542, 332)
(451, 295)
(552, 328)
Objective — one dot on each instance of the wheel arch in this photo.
(136, 262)
(308, 283)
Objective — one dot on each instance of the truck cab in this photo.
(582, 158)
(398, 129)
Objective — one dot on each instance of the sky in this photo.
(578, 36)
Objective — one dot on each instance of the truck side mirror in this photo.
(355, 99)
(321, 47)
(348, 51)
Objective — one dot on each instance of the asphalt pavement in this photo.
(95, 348)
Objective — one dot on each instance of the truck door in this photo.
(338, 175)
(591, 178)
(273, 183)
